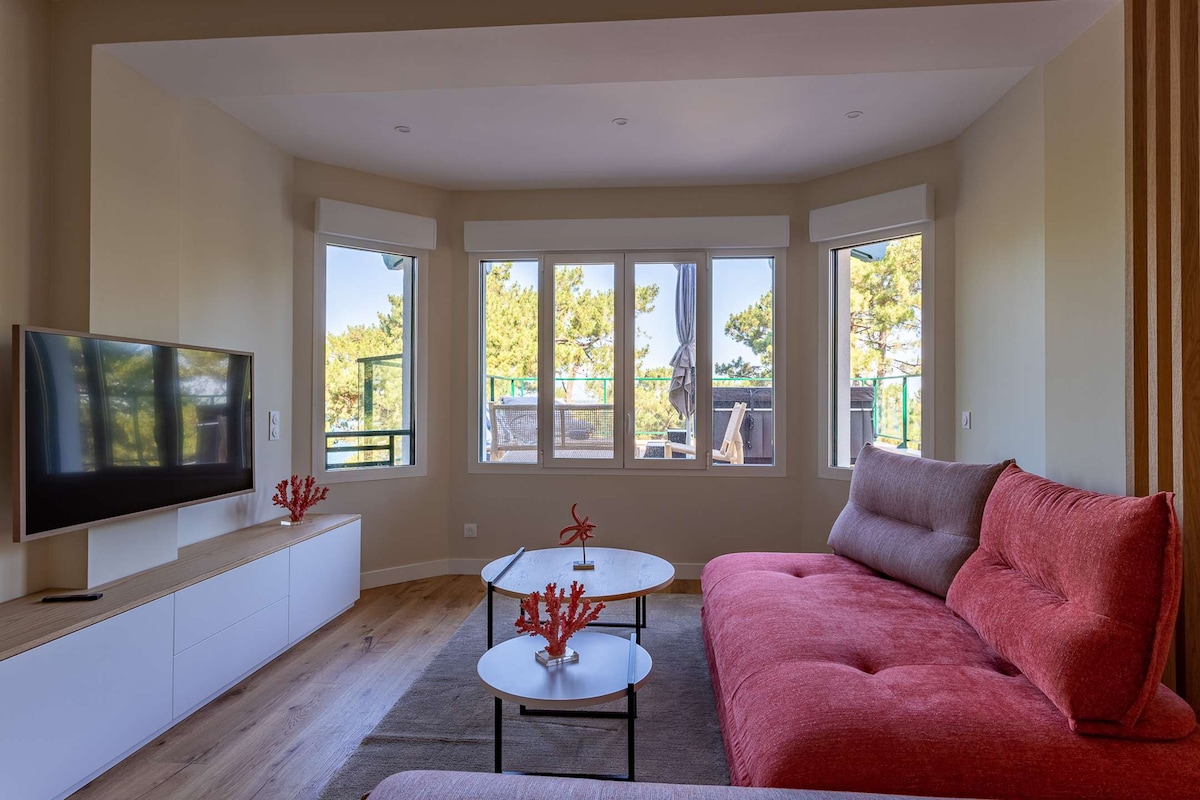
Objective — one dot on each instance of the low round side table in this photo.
(617, 575)
(609, 668)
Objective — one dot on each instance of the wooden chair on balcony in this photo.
(732, 446)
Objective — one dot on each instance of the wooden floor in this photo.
(283, 731)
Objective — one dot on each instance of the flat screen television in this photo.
(107, 428)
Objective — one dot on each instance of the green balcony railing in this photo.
(379, 448)
(519, 386)
(895, 411)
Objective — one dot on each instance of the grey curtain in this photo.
(682, 393)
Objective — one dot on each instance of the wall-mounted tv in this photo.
(107, 428)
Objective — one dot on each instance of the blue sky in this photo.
(358, 285)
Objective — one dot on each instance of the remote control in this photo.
(72, 598)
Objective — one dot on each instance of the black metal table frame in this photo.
(629, 714)
(639, 607)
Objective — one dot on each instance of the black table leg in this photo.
(489, 619)
(632, 718)
(499, 734)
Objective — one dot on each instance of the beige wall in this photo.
(404, 519)
(1085, 260)
(1000, 259)
(689, 519)
(133, 285)
(235, 286)
(192, 242)
(24, 207)
(1041, 283)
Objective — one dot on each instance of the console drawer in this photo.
(211, 606)
(219, 661)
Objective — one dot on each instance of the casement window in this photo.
(368, 373)
(876, 370)
(654, 360)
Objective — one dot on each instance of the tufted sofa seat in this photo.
(829, 675)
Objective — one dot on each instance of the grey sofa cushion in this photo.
(431, 785)
(914, 519)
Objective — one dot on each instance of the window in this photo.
(743, 381)
(648, 361)
(876, 346)
(366, 359)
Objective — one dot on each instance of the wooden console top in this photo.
(27, 622)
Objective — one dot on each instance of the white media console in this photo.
(82, 685)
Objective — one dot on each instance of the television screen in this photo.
(113, 427)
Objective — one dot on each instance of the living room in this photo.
(177, 173)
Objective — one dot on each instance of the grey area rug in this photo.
(444, 720)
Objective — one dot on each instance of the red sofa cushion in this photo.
(1079, 590)
(829, 675)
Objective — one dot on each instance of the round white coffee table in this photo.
(617, 575)
(609, 668)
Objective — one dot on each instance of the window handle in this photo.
(628, 424)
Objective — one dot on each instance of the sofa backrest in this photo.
(1079, 590)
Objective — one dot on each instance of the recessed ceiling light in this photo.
(620, 121)
(853, 114)
(402, 129)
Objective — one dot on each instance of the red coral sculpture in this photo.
(304, 495)
(582, 531)
(558, 626)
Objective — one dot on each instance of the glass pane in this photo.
(876, 393)
(129, 387)
(368, 404)
(509, 360)
(743, 352)
(208, 414)
(664, 377)
(584, 323)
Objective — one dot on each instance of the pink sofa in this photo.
(832, 675)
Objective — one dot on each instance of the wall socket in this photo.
(272, 426)
(470, 531)
(966, 420)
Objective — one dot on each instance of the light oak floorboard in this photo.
(283, 731)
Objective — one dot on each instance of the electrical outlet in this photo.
(966, 420)
(470, 531)
(273, 426)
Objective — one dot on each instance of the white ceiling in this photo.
(756, 99)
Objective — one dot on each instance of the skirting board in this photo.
(467, 566)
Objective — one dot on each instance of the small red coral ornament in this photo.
(558, 626)
(581, 531)
(303, 496)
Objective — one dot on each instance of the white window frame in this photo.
(827, 360)
(416, 331)
(623, 333)
(546, 299)
(703, 457)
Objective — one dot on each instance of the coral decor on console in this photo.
(558, 625)
(304, 495)
(582, 532)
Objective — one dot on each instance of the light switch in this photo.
(273, 426)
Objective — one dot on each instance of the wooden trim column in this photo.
(1162, 142)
